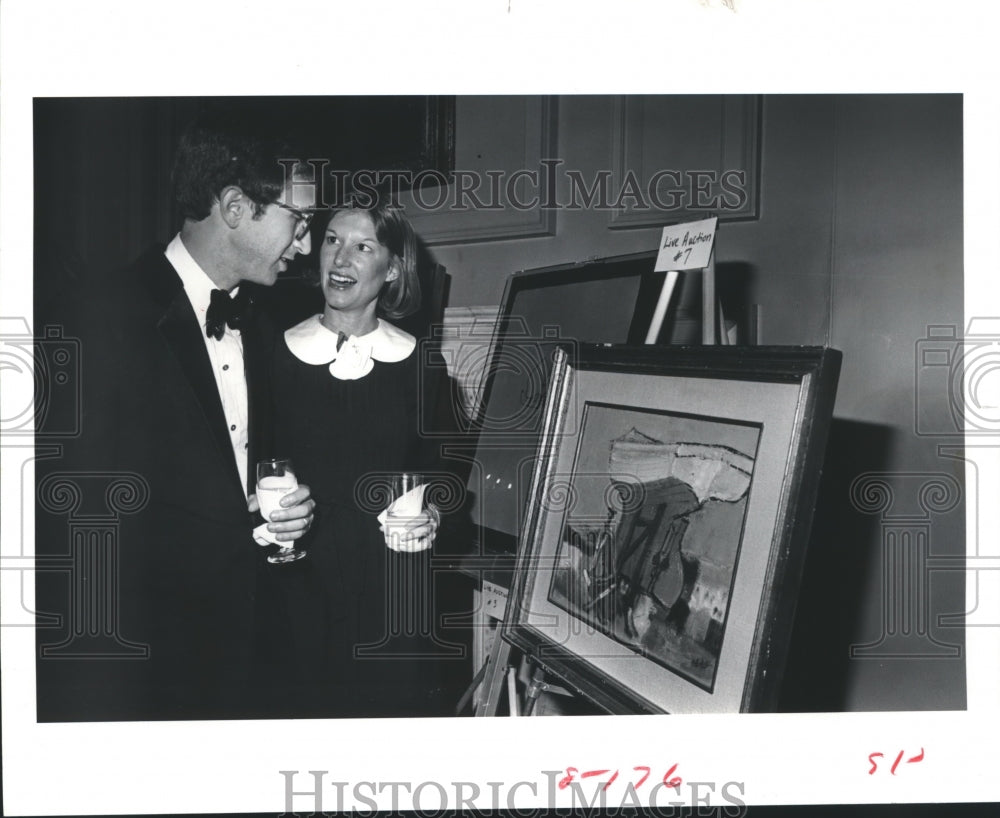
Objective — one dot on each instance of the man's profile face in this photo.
(271, 240)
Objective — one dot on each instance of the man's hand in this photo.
(295, 516)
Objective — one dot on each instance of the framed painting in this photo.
(667, 522)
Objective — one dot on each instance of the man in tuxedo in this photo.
(175, 406)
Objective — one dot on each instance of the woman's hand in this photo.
(295, 516)
(408, 535)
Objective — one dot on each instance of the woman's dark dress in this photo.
(360, 614)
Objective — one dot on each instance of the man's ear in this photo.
(233, 205)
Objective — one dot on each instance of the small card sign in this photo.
(686, 246)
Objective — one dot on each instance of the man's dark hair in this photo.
(222, 150)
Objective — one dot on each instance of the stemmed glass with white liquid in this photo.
(275, 479)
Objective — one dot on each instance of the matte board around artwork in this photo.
(667, 523)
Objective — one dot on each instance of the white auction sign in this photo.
(686, 246)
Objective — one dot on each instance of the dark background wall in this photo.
(857, 244)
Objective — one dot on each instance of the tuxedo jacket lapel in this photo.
(257, 351)
(180, 328)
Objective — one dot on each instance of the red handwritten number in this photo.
(913, 759)
(571, 773)
(643, 779)
(895, 764)
(568, 778)
(673, 782)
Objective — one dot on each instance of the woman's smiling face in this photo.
(353, 265)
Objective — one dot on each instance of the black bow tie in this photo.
(224, 309)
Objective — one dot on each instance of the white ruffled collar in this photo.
(312, 343)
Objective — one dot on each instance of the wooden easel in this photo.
(496, 670)
(712, 323)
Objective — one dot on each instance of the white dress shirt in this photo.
(226, 354)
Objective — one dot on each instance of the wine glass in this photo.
(275, 479)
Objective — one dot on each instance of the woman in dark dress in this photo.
(347, 385)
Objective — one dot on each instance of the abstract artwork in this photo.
(651, 562)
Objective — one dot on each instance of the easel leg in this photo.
(534, 690)
(496, 673)
(708, 308)
(660, 312)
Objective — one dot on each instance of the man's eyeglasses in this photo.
(303, 218)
